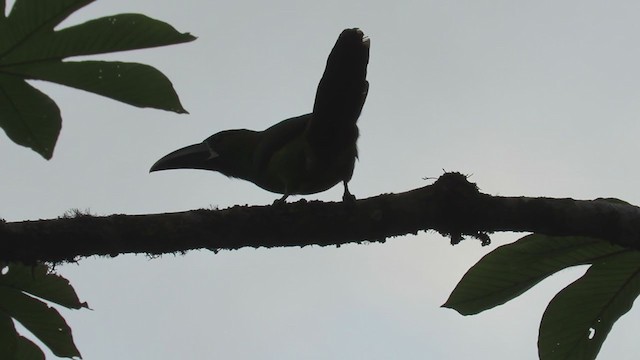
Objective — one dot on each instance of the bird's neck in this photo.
(236, 159)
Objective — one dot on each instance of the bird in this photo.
(301, 155)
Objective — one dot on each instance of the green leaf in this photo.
(8, 338)
(512, 269)
(14, 346)
(28, 117)
(39, 281)
(30, 18)
(18, 283)
(135, 84)
(31, 49)
(108, 34)
(41, 320)
(28, 350)
(579, 318)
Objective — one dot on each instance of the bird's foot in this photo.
(348, 197)
(281, 201)
(349, 200)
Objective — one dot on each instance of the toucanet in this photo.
(302, 155)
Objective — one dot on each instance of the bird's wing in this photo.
(276, 137)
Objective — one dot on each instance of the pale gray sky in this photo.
(535, 98)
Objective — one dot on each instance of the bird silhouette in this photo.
(302, 155)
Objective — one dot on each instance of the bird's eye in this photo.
(212, 153)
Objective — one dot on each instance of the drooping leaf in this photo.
(39, 281)
(579, 318)
(8, 338)
(14, 346)
(18, 285)
(512, 269)
(31, 49)
(41, 320)
(28, 350)
(28, 117)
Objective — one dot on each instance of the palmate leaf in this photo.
(512, 269)
(18, 286)
(31, 49)
(579, 318)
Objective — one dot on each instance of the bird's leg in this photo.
(347, 196)
(282, 201)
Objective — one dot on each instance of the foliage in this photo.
(574, 325)
(21, 288)
(30, 48)
(579, 318)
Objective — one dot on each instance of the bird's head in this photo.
(228, 152)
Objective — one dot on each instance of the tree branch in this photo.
(452, 206)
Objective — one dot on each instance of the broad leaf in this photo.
(18, 285)
(29, 18)
(8, 338)
(14, 346)
(104, 35)
(135, 84)
(28, 350)
(579, 318)
(29, 117)
(41, 320)
(31, 49)
(39, 281)
(512, 269)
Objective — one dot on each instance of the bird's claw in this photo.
(281, 201)
(348, 198)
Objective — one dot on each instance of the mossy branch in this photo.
(452, 206)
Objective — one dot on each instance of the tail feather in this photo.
(342, 90)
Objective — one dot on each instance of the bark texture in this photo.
(452, 206)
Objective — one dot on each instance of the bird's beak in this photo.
(195, 156)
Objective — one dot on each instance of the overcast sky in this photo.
(533, 98)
